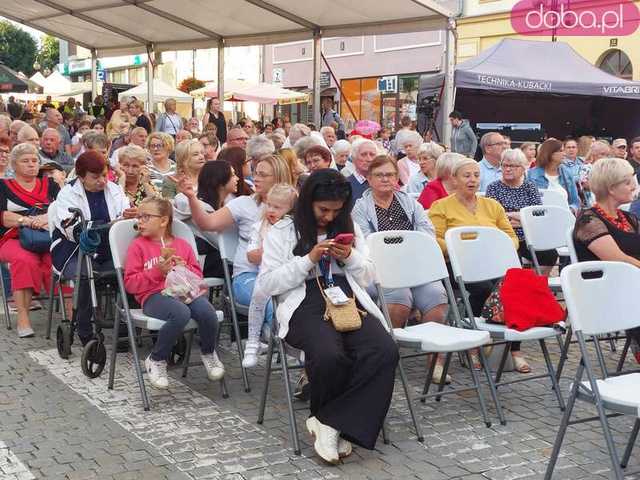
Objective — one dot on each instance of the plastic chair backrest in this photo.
(606, 300)
(571, 246)
(51, 215)
(552, 197)
(480, 253)
(228, 243)
(122, 233)
(406, 259)
(544, 226)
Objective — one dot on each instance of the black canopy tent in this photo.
(10, 81)
(524, 81)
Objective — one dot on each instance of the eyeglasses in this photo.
(263, 175)
(145, 217)
(507, 166)
(497, 143)
(155, 146)
(4, 152)
(385, 175)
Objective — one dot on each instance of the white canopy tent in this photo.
(38, 78)
(243, 91)
(56, 83)
(161, 92)
(117, 27)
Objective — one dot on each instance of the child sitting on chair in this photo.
(280, 201)
(150, 258)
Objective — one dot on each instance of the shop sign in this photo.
(79, 65)
(277, 75)
(101, 75)
(388, 84)
(325, 80)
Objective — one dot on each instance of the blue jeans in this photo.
(176, 316)
(243, 285)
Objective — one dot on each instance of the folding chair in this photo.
(284, 352)
(228, 244)
(56, 279)
(406, 259)
(121, 234)
(601, 297)
(544, 228)
(553, 198)
(5, 300)
(481, 254)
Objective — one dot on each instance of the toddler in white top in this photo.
(280, 201)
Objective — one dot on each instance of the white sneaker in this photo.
(250, 357)
(326, 440)
(344, 447)
(213, 366)
(157, 372)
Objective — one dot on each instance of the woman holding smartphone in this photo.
(351, 374)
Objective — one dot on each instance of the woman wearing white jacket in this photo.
(351, 374)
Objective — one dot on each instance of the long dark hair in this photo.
(321, 186)
(213, 176)
(237, 157)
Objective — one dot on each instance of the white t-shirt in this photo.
(554, 184)
(245, 212)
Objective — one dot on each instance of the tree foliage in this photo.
(17, 48)
(190, 84)
(49, 54)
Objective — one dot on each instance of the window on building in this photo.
(137, 75)
(617, 63)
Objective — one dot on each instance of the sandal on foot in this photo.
(520, 365)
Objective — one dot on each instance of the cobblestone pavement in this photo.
(56, 423)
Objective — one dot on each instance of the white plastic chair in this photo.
(121, 234)
(601, 298)
(544, 228)
(553, 198)
(228, 244)
(407, 259)
(480, 254)
(571, 247)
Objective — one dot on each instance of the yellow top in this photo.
(449, 213)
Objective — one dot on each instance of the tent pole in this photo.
(448, 101)
(150, 74)
(94, 75)
(221, 73)
(317, 51)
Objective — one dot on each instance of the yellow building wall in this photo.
(476, 34)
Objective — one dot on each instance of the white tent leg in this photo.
(448, 101)
(150, 75)
(317, 50)
(221, 73)
(94, 75)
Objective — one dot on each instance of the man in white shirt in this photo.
(492, 145)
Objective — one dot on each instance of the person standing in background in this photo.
(215, 116)
(463, 138)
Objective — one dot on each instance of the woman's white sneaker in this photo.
(157, 372)
(251, 352)
(326, 440)
(213, 366)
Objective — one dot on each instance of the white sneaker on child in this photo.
(213, 366)
(251, 351)
(157, 371)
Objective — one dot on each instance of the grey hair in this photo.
(19, 151)
(304, 143)
(460, 164)
(431, 149)
(25, 131)
(327, 129)
(446, 163)
(133, 152)
(51, 130)
(341, 146)
(298, 131)
(18, 123)
(515, 155)
(5, 122)
(486, 138)
(258, 146)
(408, 136)
(359, 143)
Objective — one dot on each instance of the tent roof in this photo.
(10, 80)
(161, 92)
(38, 78)
(116, 27)
(245, 91)
(56, 83)
(538, 66)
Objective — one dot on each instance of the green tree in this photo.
(49, 54)
(17, 48)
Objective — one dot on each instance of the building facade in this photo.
(485, 22)
(371, 78)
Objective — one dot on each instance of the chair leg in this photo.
(267, 377)
(51, 300)
(287, 387)
(562, 430)
(623, 356)
(187, 353)
(503, 361)
(236, 329)
(407, 393)
(445, 369)
(611, 446)
(5, 303)
(136, 364)
(552, 374)
(492, 386)
(632, 441)
(564, 352)
(114, 349)
(476, 384)
(429, 379)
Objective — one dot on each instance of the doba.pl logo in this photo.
(585, 18)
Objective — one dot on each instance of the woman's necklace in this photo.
(620, 222)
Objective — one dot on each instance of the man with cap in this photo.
(619, 148)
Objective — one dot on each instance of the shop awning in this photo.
(244, 91)
(161, 92)
(117, 27)
(10, 80)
